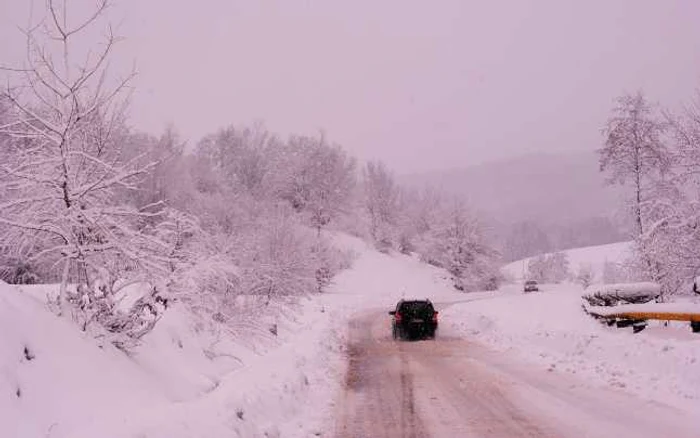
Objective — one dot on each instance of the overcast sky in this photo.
(419, 84)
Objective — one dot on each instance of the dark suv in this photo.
(414, 319)
(531, 286)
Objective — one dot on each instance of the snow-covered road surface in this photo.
(456, 387)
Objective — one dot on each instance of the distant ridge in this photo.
(547, 188)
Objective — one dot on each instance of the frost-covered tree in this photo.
(634, 153)
(418, 213)
(538, 269)
(585, 276)
(381, 201)
(63, 179)
(668, 246)
(321, 181)
(559, 265)
(242, 157)
(456, 241)
(549, 268)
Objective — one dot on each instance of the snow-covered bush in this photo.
(457, 242)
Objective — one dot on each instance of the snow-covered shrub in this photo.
(549, 268)
(457, 243)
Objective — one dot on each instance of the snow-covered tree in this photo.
(559, 265)
(549, 268)
(381, 202)
(634, 151)
(457, 242)
(321, 181)
(242, 157)
(668, 246)
(585, 276)
(62, 180)
(538, 269)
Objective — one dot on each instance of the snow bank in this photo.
(56, 382)
(593, 256)
(186, 380)
(550, 329)
(611, 294)
(287, 391)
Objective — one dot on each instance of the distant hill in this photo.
(545, 188)
(536, 203)
(593, 256)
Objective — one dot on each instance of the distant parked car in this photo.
(414, 319)
(531, 286)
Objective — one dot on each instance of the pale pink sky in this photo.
(419, 84)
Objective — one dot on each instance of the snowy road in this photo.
(455, 387)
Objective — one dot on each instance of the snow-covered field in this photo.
(550, 329)
(593, 256)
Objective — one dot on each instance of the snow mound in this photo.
(52, 377)
(611, 294)
(185, 380)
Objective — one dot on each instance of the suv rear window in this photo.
(415, 307)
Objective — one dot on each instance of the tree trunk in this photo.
(63, 293)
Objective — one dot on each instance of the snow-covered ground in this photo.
(550, 329)
(189, 379)
(593, 256)
(186, 380)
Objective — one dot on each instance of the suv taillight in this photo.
(397, 317)
(435, 315)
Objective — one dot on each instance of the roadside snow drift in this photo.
(186, 380)
(551, 329)
(56, 382)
